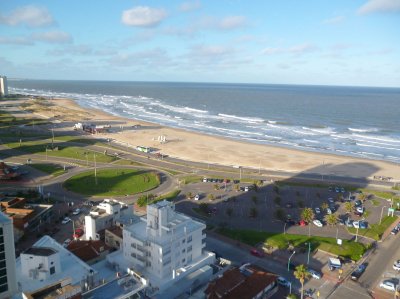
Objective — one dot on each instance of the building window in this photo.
(183, 241)
(183, 261)
(189, 239)
(3, 288)
(183, 250)
(189, 258)
(189, 248)
(52, 270)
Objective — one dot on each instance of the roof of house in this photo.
(116, 230)
(40, 251)
(87, 250)
(244, 282)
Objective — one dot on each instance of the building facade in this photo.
(8, 282)
(165, 246)
(3, 86)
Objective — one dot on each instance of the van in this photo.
(334, 263)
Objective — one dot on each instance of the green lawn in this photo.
(190, 179)
(374, 231)
(312, 185)
(348, 249)
(39, 147)
(7, 120)
(53, 169)
(112, 182)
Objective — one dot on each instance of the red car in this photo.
(256, 252)
(78, 233)
(302, 223)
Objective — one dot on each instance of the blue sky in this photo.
(325, 42)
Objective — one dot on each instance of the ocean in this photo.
(353, 121)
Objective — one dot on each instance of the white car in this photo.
(388, 285)
(356, 224)
(317, 210)
(396, 265)
(314, 274)
(197, 197)
(318, 223)
(328, 211)
(76, 212)
(66, 220)
(66, 242)
(360, 209)
(283, 281)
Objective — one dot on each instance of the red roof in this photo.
(87, 250)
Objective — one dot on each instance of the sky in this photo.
(315, 42)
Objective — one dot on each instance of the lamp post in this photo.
(288, 263)
(284, 228)
(380, 219)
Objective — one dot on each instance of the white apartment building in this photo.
(8, 282)
(165, 246)
(3, 86)
(105, 215)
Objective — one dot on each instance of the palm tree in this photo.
(324, 206)
(216, 187)
(189, 195)
(331, 219)
(255, 187)
(362, 197)
(307, 215)
(301, 274)
(236, 187)
(211, 196)
(348, 206)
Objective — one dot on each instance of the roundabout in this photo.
(113, 182)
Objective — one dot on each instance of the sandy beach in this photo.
(197, 147)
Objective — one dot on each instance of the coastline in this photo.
(198, 147)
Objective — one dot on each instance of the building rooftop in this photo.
(116, 230)
(71, 266)
(40, 251)
(4, 218)
(87, 250)
(243, 282)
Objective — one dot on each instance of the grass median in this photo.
(52, 169)
(113, 182)
(348, 249)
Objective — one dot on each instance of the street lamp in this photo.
(284, 228)
(380, 220)
(288, 263)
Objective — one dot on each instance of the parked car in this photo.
(328, 211)
(342, 190)
(256, 252)
(317, 210)
(303, 223)
(66, 220)
(356, 224)
(197, 197)
(394, 231)
(396, 265)
(337, 189)
(358, 271)
(341, 221)
(331, 200)
(318, 223)
(360, 209)
(349, 222)
(363, 224)
(205, 180)
(330, 189)
(334, 263)
(314, 274)
(358, 203)
(283, 282)
(78, 233)
(388, 285)
(76, 212)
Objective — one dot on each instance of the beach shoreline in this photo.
(201, 147)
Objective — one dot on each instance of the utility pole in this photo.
(52, 138)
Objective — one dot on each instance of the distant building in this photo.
(8, 282)
(246, 282)
(26, 217)
(165, 247)
(3, 86)
(113, 237)
(104, 216)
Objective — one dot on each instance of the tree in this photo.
(362, 197)
(253, 212)
(229, 212)
(211, 196)
(292, 296)
(189, 195)
(324, 206)
(254, 199)
(236, 187)
(307, 215)
(216, 187)
(348, 206)
(331, 219)
(301, 274)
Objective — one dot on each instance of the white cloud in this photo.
(380, 6)
(302, 48)
(334, 20)
(232, 22)
(143, 16)
(272, 50)
(30, 15)
(4, 40)
(57, 37)
(190, 6)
